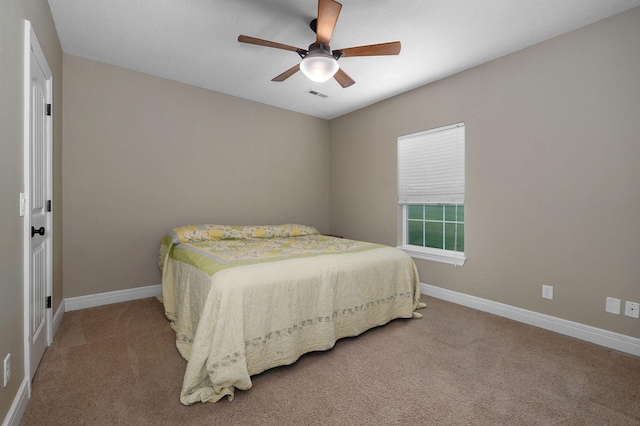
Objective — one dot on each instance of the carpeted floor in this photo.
(117, 365)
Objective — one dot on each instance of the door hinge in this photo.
(48, 302)
(48, 205)
(48, 109)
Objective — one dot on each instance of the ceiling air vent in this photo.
(321, 95)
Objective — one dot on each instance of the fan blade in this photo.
(391, 48)
(328, 12)
(342, 78)
(267, 43)
(288, 73)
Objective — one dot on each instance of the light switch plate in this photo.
(7, 369)
(613, 305)
(23, 203)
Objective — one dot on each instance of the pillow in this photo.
(277, 231)
(195, 233)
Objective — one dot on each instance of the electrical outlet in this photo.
(613, 306)
(7, 369)
(632, 309)
(547, 292)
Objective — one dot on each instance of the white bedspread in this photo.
(246, 319)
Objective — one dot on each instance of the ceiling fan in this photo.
(319, 63)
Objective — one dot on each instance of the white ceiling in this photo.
(195, 41)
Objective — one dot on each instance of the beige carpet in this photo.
(117, 365)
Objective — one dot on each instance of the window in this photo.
(431, 193)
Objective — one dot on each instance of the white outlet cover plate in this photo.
(632, 309)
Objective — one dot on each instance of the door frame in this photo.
(31, 43)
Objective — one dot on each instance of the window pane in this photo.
(454, 213)
(433, 231)
(415, 234)
(450, 213)
(415, 212)
(433, 212)
(450, 236)
(461, 237)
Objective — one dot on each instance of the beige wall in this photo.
(12, 23)
(553, 173)
(143, 155)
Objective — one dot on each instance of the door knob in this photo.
(35, 231)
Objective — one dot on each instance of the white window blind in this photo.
(431, 166)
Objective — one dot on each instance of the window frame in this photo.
(456, 258)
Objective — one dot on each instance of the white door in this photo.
(38, 208)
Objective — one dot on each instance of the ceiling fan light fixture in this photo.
(319, 67)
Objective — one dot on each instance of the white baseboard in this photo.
(14, 416)
(57, 318)
(93, 300)
(609, 339)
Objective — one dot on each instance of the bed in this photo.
(244, 299)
